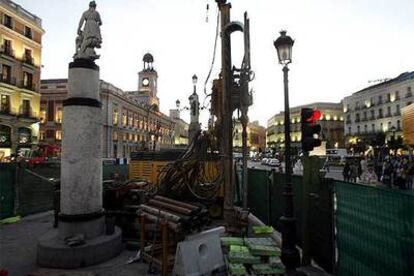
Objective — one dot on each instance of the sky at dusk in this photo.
(339, 45)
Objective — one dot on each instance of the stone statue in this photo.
(90, 37)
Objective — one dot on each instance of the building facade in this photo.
(332, 124)
(408, 124)
(377, 110)
(181, 134)
(256, 136)
(20, 62)
(129, 124)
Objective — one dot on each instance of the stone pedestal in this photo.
(81, 212)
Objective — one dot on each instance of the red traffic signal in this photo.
(310, 130)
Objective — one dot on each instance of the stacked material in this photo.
(252, 256)
(179, 215)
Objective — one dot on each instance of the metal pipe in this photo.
(176, 202)
(169, 206)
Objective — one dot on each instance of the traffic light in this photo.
(310, 129)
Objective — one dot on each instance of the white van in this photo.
(340, 154)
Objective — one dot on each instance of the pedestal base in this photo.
(52, 252)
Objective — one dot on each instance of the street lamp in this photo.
(290, 254)
(195, 79)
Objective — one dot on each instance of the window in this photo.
(388, 97)
(50, 111)
(409, 93)
(365, 128)
(7, 47)
(115, 136)
(7, 21)
(389, 111)
(398, 110)
(28, 80)
(58, 118)
(348, 118)
(397, 95)
(358, 129)
(373, 127)
(124, 119)
(380, 99)
(41, 135)
(26, 108)
(365, 115)
(115, 117)
(380, 114)
(58, 135)
(372, 115)
(28, 32)
(28, 56)
(6, 73)
(5, 104)
(357, 119)
(42, 115)
(398, 125)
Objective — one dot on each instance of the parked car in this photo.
(274, 162)
(264, 161)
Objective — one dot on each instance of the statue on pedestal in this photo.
(90, 37)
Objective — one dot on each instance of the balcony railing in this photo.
(372, 118)
(27, 86)
(380, 116)
(27, 113)
(409, 94)
(7, 79)
(28, 59)
(397, 113)
(8, 51)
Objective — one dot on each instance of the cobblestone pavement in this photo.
(18, 252)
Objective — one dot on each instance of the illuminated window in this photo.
(124, 119)
(5, 104)
(115, 136)
(130, 120)
(58, 115)
(115, 117)
(42, 115)
(58, 135)
(41, 135)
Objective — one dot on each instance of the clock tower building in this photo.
(147, 83)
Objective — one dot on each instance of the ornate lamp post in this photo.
(195, 111)
(290, 254)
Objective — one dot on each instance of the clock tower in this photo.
(147, 82)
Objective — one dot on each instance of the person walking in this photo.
(346, 171)
(354, 172)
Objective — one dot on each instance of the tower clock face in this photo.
(145, 82)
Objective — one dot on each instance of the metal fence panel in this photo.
(375, 230)
(7, 189)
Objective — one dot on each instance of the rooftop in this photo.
(21, 11)
(402, 77)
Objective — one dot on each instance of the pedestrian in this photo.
(386, 173)
(368, 176)
(346, 171)
(354, 171)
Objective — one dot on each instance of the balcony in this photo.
(409, 95)
(397, 114)
(7, 50)
(372, 118)
(380, 116)
(28, 86)
(357, 120)
(7, 79)
(28, 59)
(27, 114)
(388, 115)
